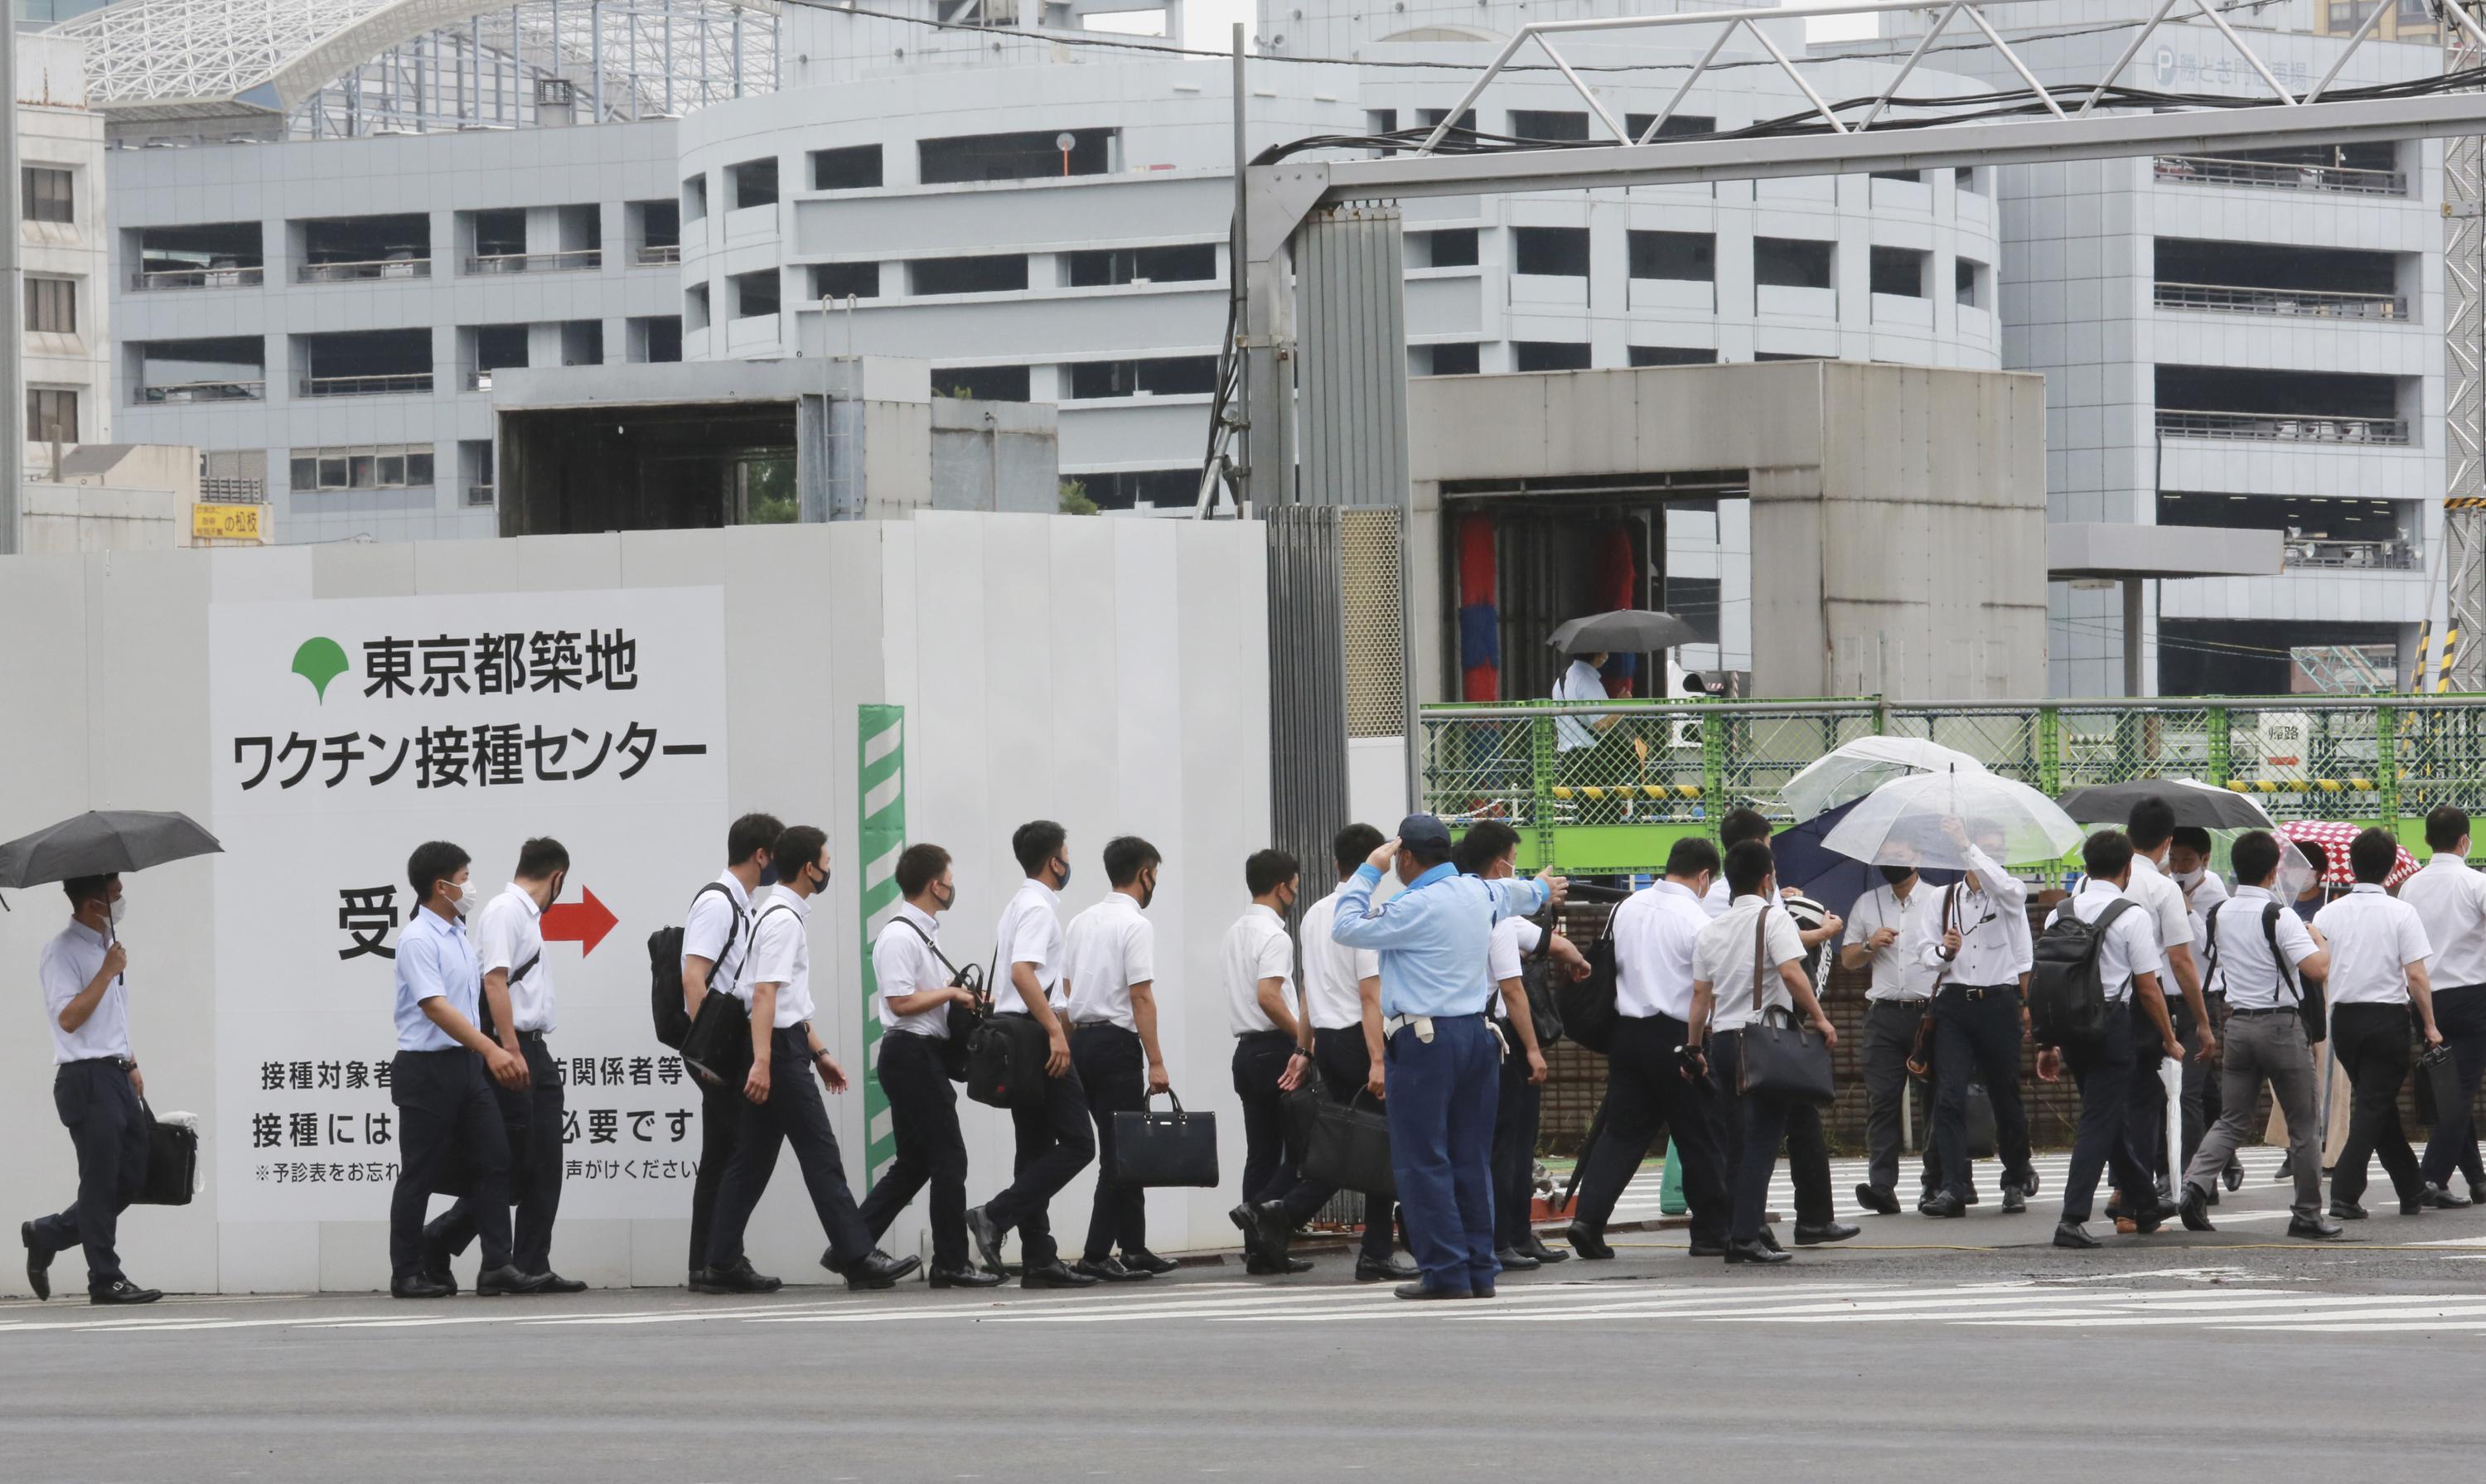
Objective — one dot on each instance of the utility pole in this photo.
(2464, 397)
(12, 302)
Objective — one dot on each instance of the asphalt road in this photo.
(1923, 1346)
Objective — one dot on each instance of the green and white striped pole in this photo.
(881, 783)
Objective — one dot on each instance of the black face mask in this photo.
(944, 903)
(768, 875)
(1064, 885)
(1895, 874)
(1149, 893)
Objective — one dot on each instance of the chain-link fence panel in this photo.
(1478, 767)
(2442, 756)
(2006, 742)
(1642, 765)
(1761, 751)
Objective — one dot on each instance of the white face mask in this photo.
(2188, 879)
(465, 898)
(118, 911)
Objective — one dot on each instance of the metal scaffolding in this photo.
(2463, 665)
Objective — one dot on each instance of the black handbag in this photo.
(1301, 1107)
(1586, 1007)
(1350, 1148)
(962, 1019)
(2438, 1085)
(1175, 1148)
(718, 1047)
(1006, 1057)
(172, 1162)
(1779, 1060)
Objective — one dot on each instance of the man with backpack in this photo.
(2093, 992)
(2259, 954)
(2378, 976)
(716, 939)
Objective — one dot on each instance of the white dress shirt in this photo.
(2157, 892)
(2247, 974)
(2373, 937)
(1654, 931)
(2203, 897)
(2450, 901)
(781, 955)
(1989, 909)
(2130, 945)
(904, 964)
(1579, 683)
(1899, 970)
(1334, 973)
(1724, 953)
(1029, 934)
(1717, 899)
(1257, 948)
(718, 929)
(1106, 950)
(508, 933)
(69, 963)
(1513, 940)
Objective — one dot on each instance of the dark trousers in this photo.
(2102, 1070)
(1978, 1037)
(792, 1114)
(1441, 1103)
(1273, 1153)
(1054, 1142)
(1759, 1124)
(924, 1120)
(2460, 1015)
(100, 1110)
(2145, 1094)
(1345, 1065)
(1889, 1036)
(2204, 1092)
(1114, 1068)
(1647, 1097)
(2372, 1043)
(720, 1123)
(1515, 1116)
(536, 1183)
(446, 1112)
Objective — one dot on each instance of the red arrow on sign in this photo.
(584, 922)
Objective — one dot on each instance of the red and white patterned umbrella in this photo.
(2333, 835)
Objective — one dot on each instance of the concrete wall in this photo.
(1898, 514)
(1110, 674)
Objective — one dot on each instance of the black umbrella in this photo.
(1624, 631)
(2206, 805)
(102, 842)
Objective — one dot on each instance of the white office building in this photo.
(66, 256)
(318, 267)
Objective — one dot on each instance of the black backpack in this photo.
(1006, 1056)
(2067, 1003)
(1586, 1007)
(665, 973)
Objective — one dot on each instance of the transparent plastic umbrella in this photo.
(1931, 818)
(1854, 769)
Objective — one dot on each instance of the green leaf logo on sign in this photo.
(320, 661)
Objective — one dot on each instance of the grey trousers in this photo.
(2266, 1048)
(1889, 1034)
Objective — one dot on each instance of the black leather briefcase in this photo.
(171, 1163)
(1350, 1148)
(2438, 1085)
(1175, 1148)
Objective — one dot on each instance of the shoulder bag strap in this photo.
(733, 928)
(955, 973)
(2270, 932)
(1760, 952)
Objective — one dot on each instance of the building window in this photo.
(695, 315)
(1968, 278)
(694, 197)
(997, 274)
(1911, 176)
(1691, 256)
(1696, 600)
(51, 415)
(1671, 355)
(1965, 178)
(753, 183)
(1461, 358)
(755, 293)
(1559, 251)
(1683, 126)
(1549, 355)
(1431, 119)
(386, 466)
(845, 281)
(1790, 263)
(1452, 247)
(1181, 376)
(983, 383)
(51, 306)
(1034, 155)
(1550, 125)
(1900, 271)
(1131, 489)
(50, 195)
(855, 169)
(1099, 270)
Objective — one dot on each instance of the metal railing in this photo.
(2384, 555)
(1545, 766)
(367, 386)
(659, 255)
(350, 272)
(2282, 427)
(199, 278)
(2307, 303)
(2216, 170)
(232, 489)
(203, 392)
(576, 258)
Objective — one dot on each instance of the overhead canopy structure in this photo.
(2133, 555)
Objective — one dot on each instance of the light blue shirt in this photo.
(435, 961)
(1433, 936)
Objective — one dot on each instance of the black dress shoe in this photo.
(740, 1277)
(1513, 1261)
(507, 1281)
(1480, 1291)
(2347, 1211)
(2477, 1194)
(963, 1275)
(2029, 1182)
(2441, 1199)
(2233, 1176)
(1770, 1239)
(1590, 1244)
(2314, 1228)
(1146, 1261)
(1274, 1228)
(39, 1261)
(2286, 1168)
(1877, 1200)
(2073, 1235)
(2014, 1201)
(1378, 1270)
(1701, 1249)
(2164, 1209)
(1534, 1247)
(1109, 1270)
(1241, 1217)
(1942, 1203)
(987, 1235)
(1264, 1267)
(554, 1282)
(1827, 1231)
(876, 1270)
(1420, 1290)
(1972, 1198)
(1754, 1252)
(2195, 1209)
(1053, 1275)
(2148, 1221)
(416, 1286)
